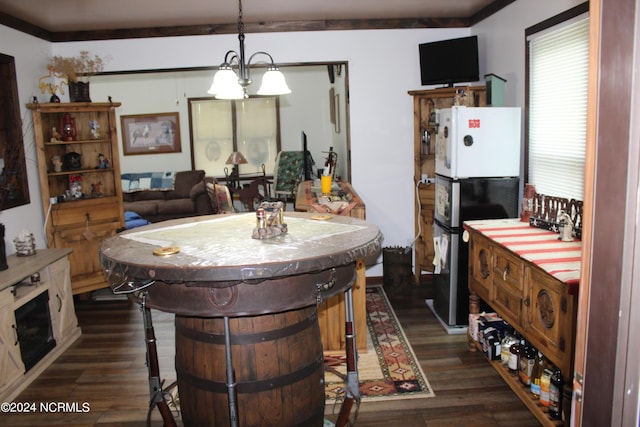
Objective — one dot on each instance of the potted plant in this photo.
(78, 69)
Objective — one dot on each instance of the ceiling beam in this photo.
(252, 27)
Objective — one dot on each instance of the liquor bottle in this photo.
(505, 347)
(538, 369)
(555, 395)
(545, 386)
(526, 363)
(514, 356)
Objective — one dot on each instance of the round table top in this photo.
(220, 248)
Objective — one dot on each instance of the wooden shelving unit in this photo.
(83, 223)
(425, 102)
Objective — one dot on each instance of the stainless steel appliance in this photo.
(471, 198)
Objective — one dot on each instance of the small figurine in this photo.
(75, 187)
(94, 126)
(57, 163)
(103, 162)
(460, 97)
(55, 135)
(96, 189)
(269, 221)
(566, 227)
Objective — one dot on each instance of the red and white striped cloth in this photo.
(540, 247)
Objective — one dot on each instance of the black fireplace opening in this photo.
(34, 331)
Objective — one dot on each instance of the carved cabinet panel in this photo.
(549, 311)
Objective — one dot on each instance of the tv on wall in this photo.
(449, 61)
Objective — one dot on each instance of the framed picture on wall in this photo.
(151, 133)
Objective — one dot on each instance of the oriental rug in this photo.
(389, 369)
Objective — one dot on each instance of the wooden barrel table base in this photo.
(275, 358)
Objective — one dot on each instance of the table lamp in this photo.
(236, 158)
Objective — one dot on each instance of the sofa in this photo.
(161, 196)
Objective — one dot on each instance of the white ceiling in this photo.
(92, 15)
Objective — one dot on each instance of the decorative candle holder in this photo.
(25, 245)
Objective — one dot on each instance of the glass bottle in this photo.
(526, 363)
(545, 386)
(514, 356)
(555, 395)
(505, 347)
(538, 369)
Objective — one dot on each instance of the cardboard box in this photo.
(480, 318)
(491, 344)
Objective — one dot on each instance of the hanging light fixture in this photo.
(229, 85)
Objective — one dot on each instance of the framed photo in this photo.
(151, 133)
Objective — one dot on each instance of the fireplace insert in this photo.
(34, 331)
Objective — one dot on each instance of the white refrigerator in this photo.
(474, 142)
(477, 177)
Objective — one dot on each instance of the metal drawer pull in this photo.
(505, 273)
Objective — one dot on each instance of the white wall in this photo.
(383, 66)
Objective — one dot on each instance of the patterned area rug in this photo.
(389, 369)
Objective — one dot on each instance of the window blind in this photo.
(558, 77)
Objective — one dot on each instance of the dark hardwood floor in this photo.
(106, 369)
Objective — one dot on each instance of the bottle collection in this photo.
(522, 360)
(534, 371)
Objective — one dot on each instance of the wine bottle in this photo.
(555, 395)
(514, 356)
(538, 369)
(526, 363)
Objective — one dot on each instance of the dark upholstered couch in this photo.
(187, 198)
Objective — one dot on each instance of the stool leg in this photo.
(353, 383)
(231, 376)
(155, 384)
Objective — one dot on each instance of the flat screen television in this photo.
(449, 61)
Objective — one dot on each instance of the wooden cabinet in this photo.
(26, 279)
(534, 301)
(425, 102)
(80, 223)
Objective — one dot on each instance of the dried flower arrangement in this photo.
(76, 67)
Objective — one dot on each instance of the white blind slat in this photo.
(558, 73)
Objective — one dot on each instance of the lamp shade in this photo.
(273, 83)
(225, 84)
(236, 158)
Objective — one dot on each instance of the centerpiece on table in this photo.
(77, 69)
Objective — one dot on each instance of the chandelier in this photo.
(229, 85)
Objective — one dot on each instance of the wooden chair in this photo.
(255, 192)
